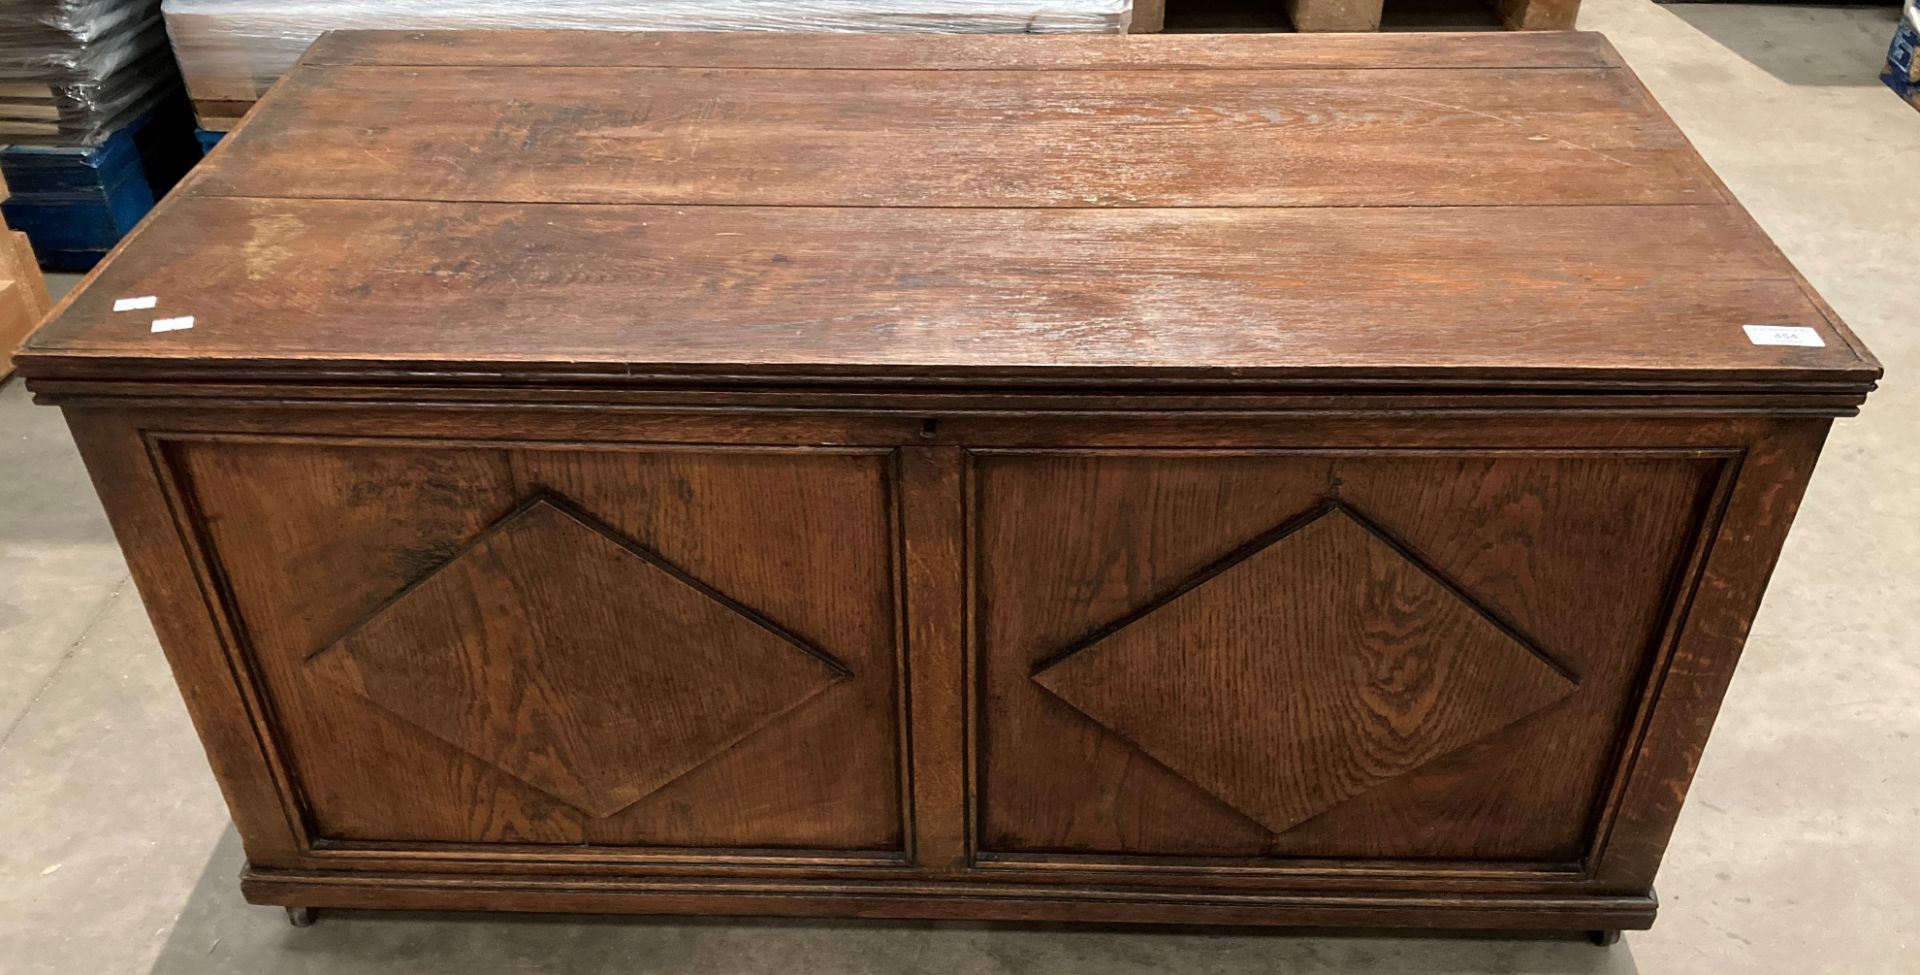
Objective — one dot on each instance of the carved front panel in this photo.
(620, 647)
(1294, 677)
(575, 660)
(1313, 655)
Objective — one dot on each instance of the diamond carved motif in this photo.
(575, 660)
(1305, 670)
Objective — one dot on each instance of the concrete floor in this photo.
(1796, 854)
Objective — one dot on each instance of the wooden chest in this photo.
(1272, 480)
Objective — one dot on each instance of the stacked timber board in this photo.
(72, 72)
(76, 202)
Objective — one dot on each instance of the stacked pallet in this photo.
(91, 110)
(1365, 15)
(76, 202)
(23, 292)
(74, 71)
(231, 51)
(1903, 56)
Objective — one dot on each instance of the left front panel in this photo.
(618, 646)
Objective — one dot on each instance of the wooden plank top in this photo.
(1494, 211)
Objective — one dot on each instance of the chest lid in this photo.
(1494, 211)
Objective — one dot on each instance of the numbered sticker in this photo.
(1784, 335)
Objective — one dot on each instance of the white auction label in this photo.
(135, 304)
(1784, 335)
(172, 324)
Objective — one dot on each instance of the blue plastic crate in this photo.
(75, 203)
(1903, 57)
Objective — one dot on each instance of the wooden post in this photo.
(1538, 14)
(1149, 17)
(1334, 15)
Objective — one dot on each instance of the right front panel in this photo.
(1357, 654)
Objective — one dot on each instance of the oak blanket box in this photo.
(1259, 480)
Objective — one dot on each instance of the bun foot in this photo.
(301, 917)
(1604, 938)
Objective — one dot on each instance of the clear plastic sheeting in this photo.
(232, 50)
(73, 71)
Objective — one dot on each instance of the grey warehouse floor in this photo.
(1797, 852)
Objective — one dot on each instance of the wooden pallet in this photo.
(220, 114)
(76, 202)
(1538, 14)
(1364, 15)
(1314, 16)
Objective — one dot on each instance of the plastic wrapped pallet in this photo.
(1903, 56)
(232, 50)
(73, 71)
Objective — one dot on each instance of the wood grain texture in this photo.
(1679, 714)
(1312, 293)
(1358, 431)
(372, 522)
(1305, 672)
(1063, 138)
(551, 631)
(954, 901)
(933, 515)
(1072, 541)
(1516, 526)
(682, 203)
(1309, 16)
(228, 714)
(523, 48)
